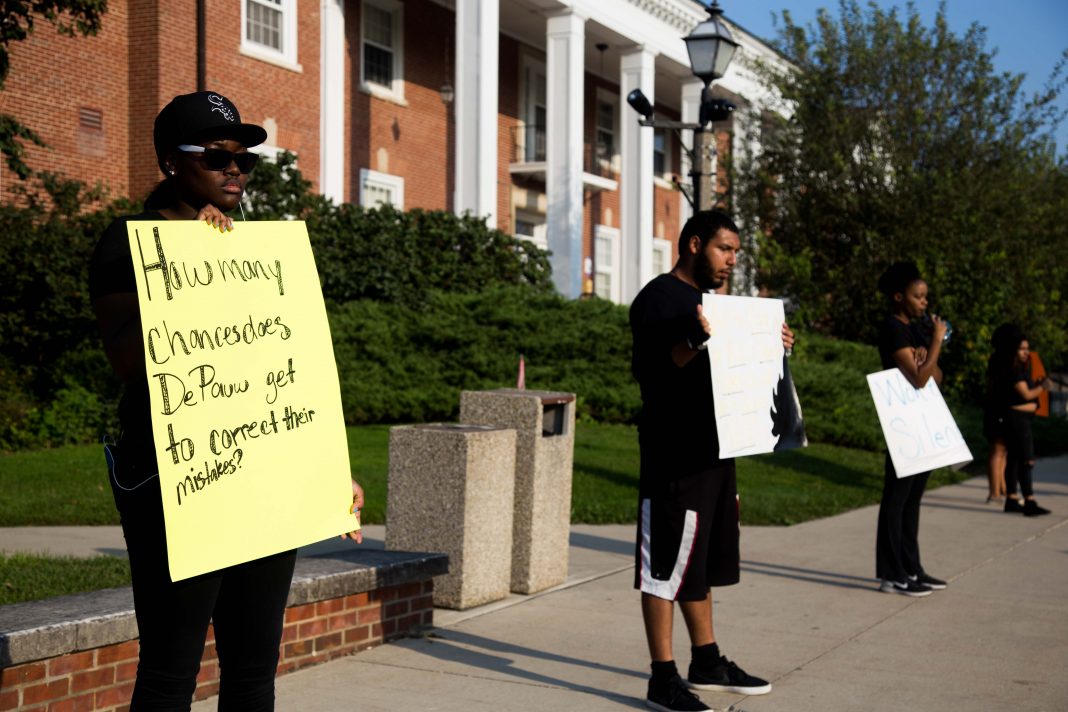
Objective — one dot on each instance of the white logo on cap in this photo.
(219, 104)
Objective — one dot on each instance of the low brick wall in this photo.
(79, 652)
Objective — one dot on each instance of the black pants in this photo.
(1021, 452)
(246, 603)
(897, 546)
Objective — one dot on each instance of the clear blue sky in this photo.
(1029, 35)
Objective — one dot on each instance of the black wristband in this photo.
(696, 335)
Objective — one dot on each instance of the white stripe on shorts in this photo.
(666, 589)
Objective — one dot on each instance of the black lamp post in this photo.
(711, 48)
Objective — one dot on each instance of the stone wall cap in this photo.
(546, 397)
(36, 630)
(453, 427)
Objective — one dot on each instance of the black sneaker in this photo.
(673, 696)
(1013, 506)
(906, 588)
(929, 581)
(1031, 509)
(725, 676)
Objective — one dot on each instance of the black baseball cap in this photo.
(199, 117)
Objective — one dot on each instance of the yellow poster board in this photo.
(246, 406)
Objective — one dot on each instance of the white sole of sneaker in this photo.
(661, 708)
(731, 689)
(884, 588)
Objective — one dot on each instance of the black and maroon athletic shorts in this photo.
(688, 535)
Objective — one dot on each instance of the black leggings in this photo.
(1021, 452)
(897, 545)
(246, 603)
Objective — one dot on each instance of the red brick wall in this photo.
(416, 135)
(103, 678)
(51, 78)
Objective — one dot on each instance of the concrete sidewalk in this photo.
(806, 616)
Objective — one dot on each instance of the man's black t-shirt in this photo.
(677, 429)
(111, 272)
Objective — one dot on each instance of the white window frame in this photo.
(385, 181)
(540, 238)
(287, 57)
(662, 247)
(394, 92)
(612, 99)
(614, 269)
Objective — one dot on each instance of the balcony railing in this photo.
(529, 146)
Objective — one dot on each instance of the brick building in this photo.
(513, 110)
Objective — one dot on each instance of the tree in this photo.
(17, 18)
(905, 143)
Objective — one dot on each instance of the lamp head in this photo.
(710, 46)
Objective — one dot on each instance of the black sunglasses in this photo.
(219, 159)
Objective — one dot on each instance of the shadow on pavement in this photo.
(457, 647)
(826, 578)
(600, 543)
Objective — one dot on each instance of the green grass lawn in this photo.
(25, 577)
(68, 485)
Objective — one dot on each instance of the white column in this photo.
(691, 106)
(636, 175)
(332, 151)
(565, 40)
(477, 28)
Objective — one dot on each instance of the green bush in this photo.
(50, 354)
(398, 364)
(831, 385)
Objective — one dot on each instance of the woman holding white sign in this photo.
(903, 346)
(202, 148)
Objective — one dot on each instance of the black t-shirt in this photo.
(677, 427)
(894, 336)
(111, 272)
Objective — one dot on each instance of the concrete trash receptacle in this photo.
(451, 490)
(544, 422)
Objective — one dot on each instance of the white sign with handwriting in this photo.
(920, 432)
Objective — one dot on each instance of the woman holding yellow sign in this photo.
(202, 148)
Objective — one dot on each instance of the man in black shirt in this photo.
(688, 518)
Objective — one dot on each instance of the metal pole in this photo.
(700, 171)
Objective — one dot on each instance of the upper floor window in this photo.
(605, 122)
(381, 68)
(270, 30)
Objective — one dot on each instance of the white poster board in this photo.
(757, 409)
(920, 432)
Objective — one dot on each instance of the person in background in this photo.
(1004, 342)
(201, 147)
(902, 346)
(1012, 390)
